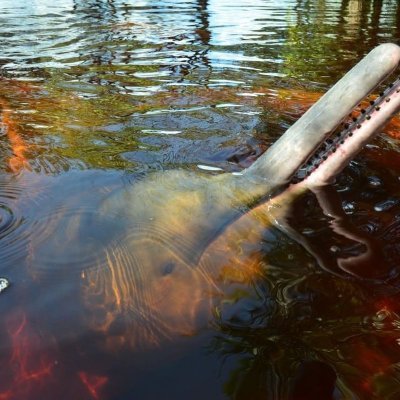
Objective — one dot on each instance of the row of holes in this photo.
(330, 145)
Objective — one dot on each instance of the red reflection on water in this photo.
(93, 383)
(385, 158)
(388, 305)
(373, 363)
(30, 367)
(6, 395)
(370, 360)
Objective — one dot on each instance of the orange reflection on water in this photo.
(8, 123)
(289, 101)
(30, 367)
(393, 128)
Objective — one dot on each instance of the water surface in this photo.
(95, 98)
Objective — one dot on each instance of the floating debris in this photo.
(4, 284)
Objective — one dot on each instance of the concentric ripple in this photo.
(53, 225)
(7, 221)
(12, 232)
(70, 240)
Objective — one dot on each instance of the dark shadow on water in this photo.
(313, 380)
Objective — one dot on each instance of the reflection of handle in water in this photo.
(356, 265)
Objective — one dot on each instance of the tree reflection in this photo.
(324, 34)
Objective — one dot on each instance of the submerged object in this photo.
(4, 284)
(174, 233)
(164, 267)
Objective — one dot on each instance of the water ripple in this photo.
(53, 226)
(70, 240)
(13, 231)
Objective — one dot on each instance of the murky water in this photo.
(116, 297)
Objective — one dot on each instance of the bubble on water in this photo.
(4, 284)
(348, 207)
(374, 181)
